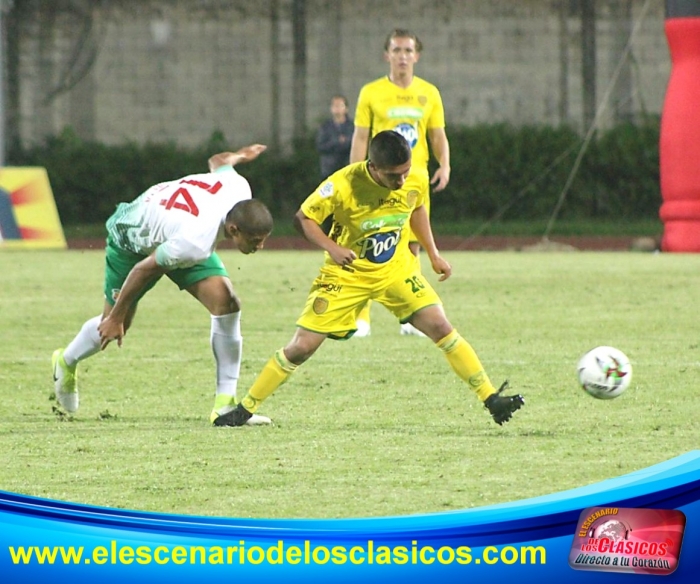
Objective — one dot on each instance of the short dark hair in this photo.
(389, 148)
(402, 33)
(340, 96)
(251, 216)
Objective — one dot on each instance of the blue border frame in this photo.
(548, 522)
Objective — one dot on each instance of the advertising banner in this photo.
(28, 215)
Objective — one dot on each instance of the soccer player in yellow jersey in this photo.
(410, 106)
(373, 204)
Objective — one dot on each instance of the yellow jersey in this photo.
(368, 218)
(411, 112)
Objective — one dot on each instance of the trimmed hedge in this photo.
(519, 173)
(512, 172)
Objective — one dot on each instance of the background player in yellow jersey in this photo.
(372, 204)
(410, 106)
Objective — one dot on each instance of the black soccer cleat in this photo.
(502, 407)
(238, 416)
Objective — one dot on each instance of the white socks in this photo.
(227, 344)
(85, 343)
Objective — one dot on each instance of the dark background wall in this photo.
(157, 70)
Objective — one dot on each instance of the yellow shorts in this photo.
(337, 297)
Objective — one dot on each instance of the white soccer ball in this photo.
(604, 372)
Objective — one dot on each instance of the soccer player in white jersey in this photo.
(172, 229)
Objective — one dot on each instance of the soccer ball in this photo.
(604, 372)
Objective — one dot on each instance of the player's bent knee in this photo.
(227, 306)
(302, 346)
(298, 353)
(216, 295)
(443, 330)
(233, 304)
(442, 326)
(435, 325)
(226, 302)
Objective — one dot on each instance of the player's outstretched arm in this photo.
(420, 225)
(312, 232)
(245, 154)
(441, 149)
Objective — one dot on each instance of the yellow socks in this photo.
(458, 352)
(276, 371)
(465, 363)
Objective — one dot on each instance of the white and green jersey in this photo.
(181, 220)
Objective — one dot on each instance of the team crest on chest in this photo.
(422, 99)
(411, 198)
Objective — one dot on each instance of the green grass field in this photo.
(370, 427)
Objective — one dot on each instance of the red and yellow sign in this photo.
(28, 215)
